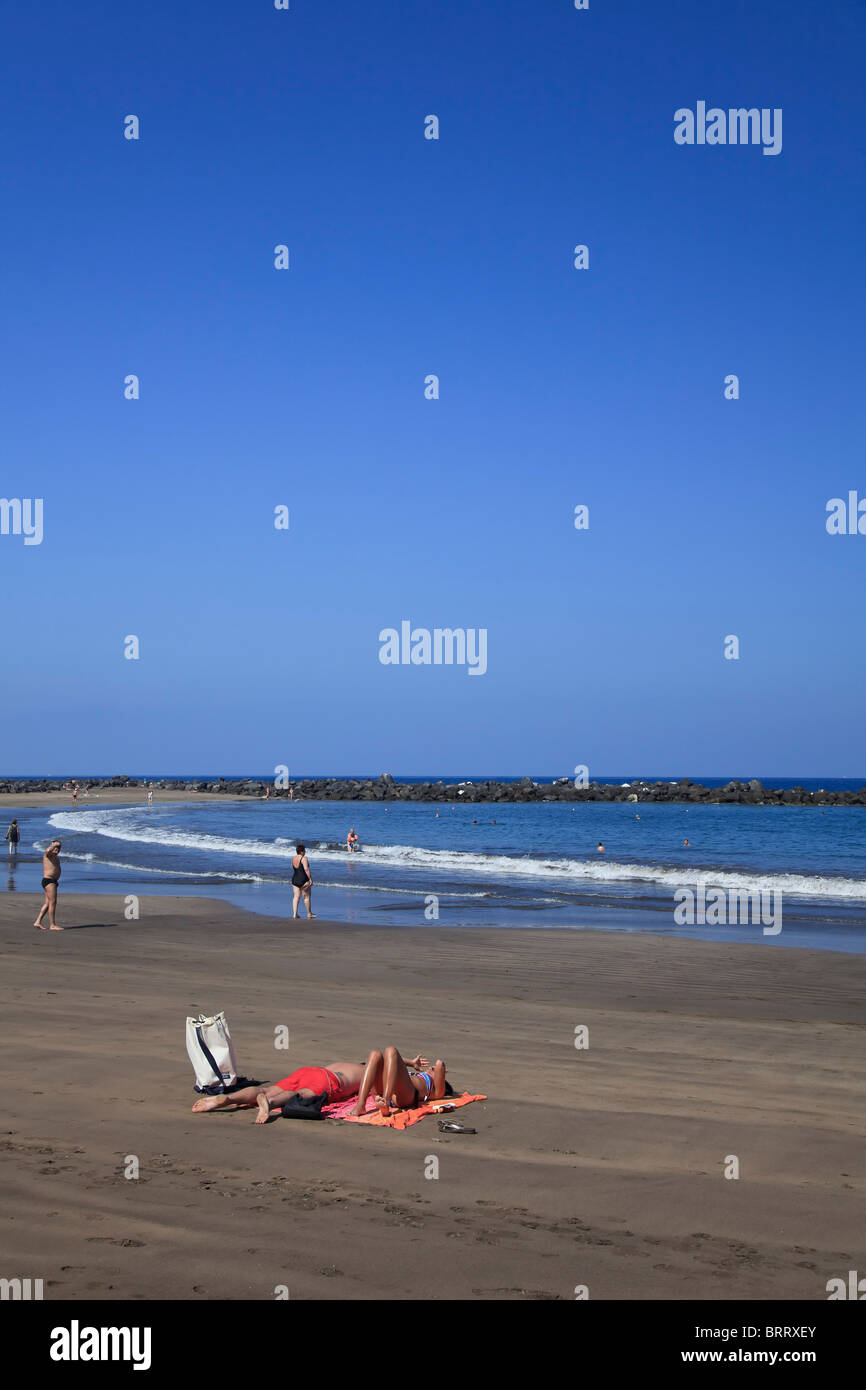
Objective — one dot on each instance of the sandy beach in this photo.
(106, 796)
(600, 1167)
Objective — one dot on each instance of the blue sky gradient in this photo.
(306, 387)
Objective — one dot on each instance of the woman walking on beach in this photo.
(13, 835)
(50, 881)
(302, 881)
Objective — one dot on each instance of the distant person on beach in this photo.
(13, 835)
(50, 881)
(150, 795)
(339, 1080)
(74, 792)
(352, 841)
(302, 881)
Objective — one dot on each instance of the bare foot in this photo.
(55, 928)
(40, 926)
(264, 1109)
(312, 916)
(207, 1103)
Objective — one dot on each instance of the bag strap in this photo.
(208, 1054)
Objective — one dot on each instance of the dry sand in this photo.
(107, 796)
(601, 1167)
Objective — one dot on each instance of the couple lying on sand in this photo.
(394, 1084)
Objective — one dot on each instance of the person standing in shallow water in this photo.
(50, 882)
(13, 835)
(302, 881)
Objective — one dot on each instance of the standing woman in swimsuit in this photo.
(13, 835)
(302, 881)
(50, 881)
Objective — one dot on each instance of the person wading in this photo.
(302, 881)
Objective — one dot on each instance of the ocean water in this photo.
(482, 865)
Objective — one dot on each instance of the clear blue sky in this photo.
(306, 387)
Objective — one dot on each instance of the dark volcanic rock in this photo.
(384, 788)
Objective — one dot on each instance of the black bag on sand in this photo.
(299, 1107)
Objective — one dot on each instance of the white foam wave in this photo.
(67, 854)
(443, 864)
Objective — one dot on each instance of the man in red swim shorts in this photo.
(312, 1081)
(339, 1080)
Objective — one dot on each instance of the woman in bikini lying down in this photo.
(340, 1080)
(398, 1084)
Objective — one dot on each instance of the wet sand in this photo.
(601, 1167)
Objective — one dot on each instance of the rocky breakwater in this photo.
(384, 788)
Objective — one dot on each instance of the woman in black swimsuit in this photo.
(302, 881)
(50, 881)
(13, 835)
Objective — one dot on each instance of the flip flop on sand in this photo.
(454, 1127)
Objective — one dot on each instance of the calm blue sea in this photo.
(482, 865)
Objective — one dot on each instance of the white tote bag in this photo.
(209, 1044)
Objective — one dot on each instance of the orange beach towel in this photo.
(402, 1119)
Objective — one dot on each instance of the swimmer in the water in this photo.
(600, 847)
